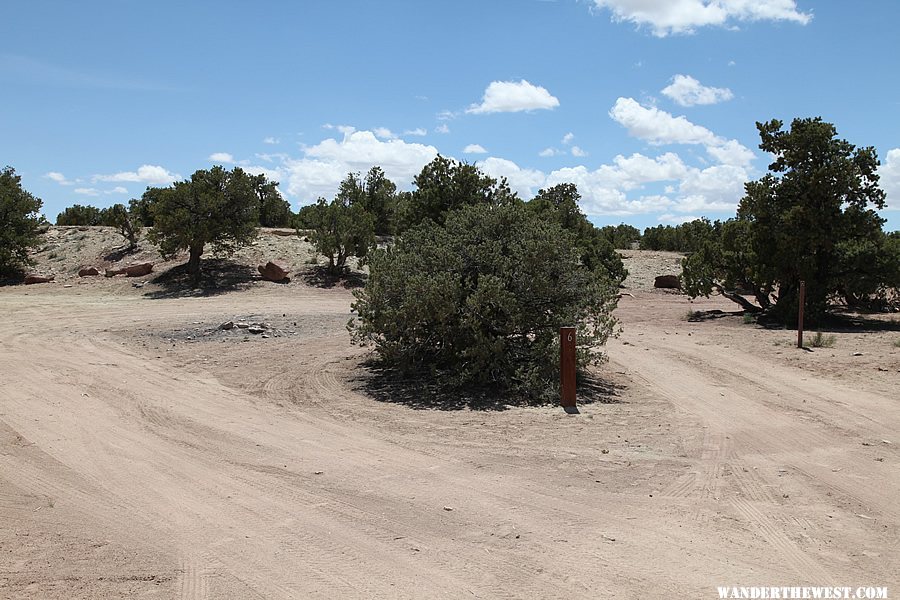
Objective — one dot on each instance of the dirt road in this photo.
(143, 456)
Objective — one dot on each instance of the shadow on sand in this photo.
(421, 394)
(320, 277)
(217, 276)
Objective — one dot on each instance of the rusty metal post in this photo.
(800, 315)
(567, 366)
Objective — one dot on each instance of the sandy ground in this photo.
(145, 453)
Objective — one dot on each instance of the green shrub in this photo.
(823, 341)
(479, 301)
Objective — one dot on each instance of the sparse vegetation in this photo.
(343, 228)
(822, 341)
(126, 223)
(748, 319)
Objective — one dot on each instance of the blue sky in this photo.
(649, 106)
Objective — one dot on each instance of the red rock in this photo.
(30, 279)
(668, 282)
(273, 272)
(88, 272)
(138, 270)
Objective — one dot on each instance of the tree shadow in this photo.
(700, 316)
(843, 320)
(320, 277)
(217, 276)
(421, 393)
(120, 253)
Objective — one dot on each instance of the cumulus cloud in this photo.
(419, 131)
(271, 140)
(732, 152)
(889, 173)
(687, 91)
(221, 157)
(512, 96)
(325, 164)
(716, 188)
(567, 139)
(626, 185)
(58, 178)
(666, 17)
(657, 126)
(95, 192)
(442, 128)
(474, 149)
(676, 219)
(522, 181)
(577, 151)
(151, 174)
(549, 152)
(384, 133)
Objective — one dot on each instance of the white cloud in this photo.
(221, 157)
(271, 174)
(442, 128)
(657, 126)
(666, 17)
(717, 188)
(419, 131)
(567, 139)
(889, 173)
(522, 181)
(145, 174)
(325, 164)
(676, 219)
(58, 178)
(474, 149)
(384, 133)
(621, 187)
(687, 91)
(271, 140)
(511, 96)
(95, 192)
(549, 152)
(577, 151)
(732, 152)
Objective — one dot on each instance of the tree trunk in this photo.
(745, 304)
(194, 262)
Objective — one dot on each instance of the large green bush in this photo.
(812, 218)
(478, 302)
(20, 219)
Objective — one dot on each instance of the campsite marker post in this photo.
(567, 366)
(800, 315)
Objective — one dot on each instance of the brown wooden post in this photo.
(800, 315)
(567, 366)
